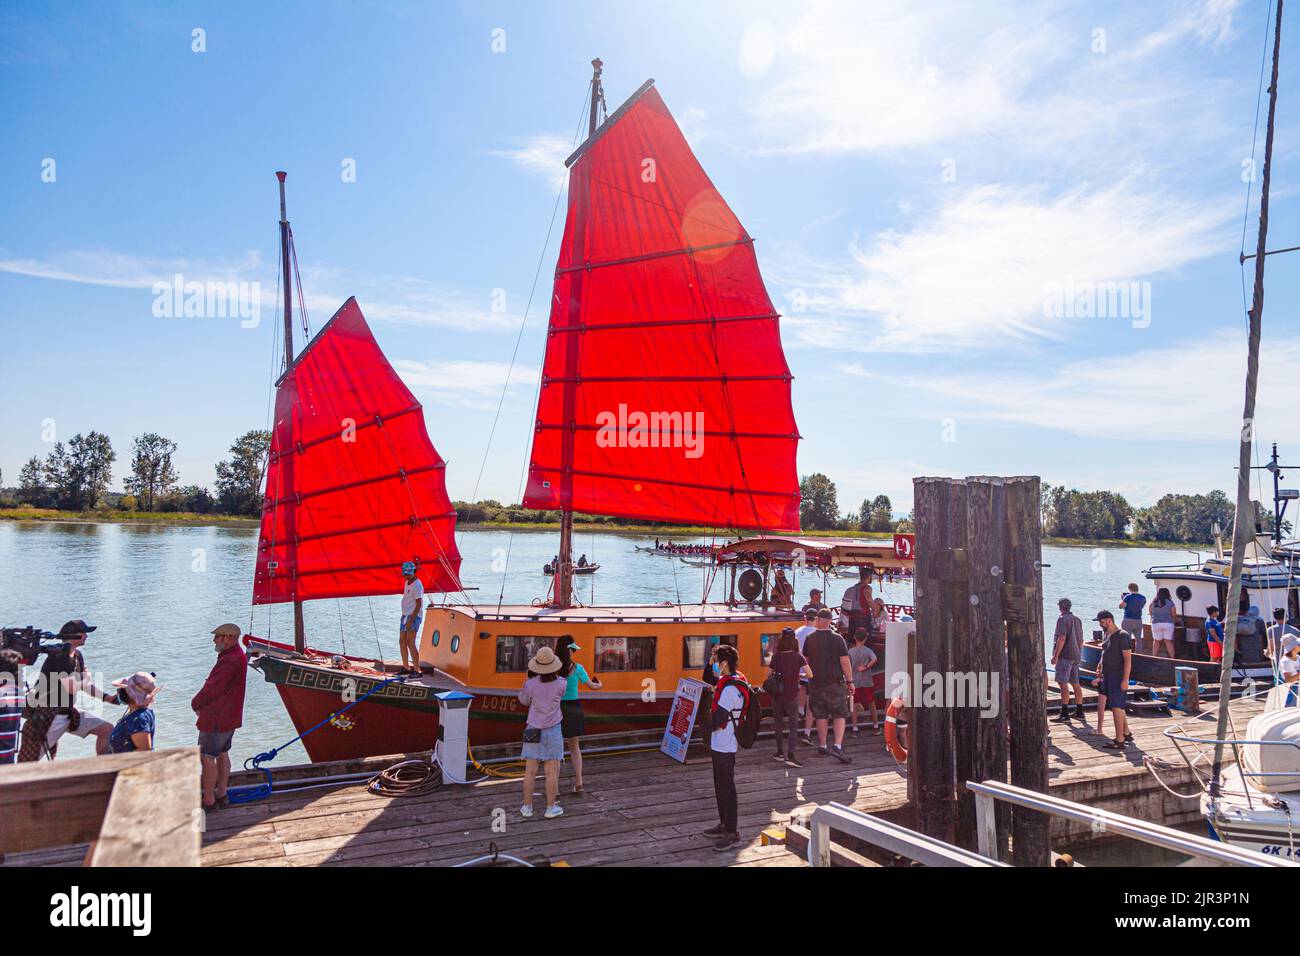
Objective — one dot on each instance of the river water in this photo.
(156, 592)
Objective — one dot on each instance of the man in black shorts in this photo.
(1113, 672)
(830, 685)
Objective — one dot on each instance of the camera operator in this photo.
(51, 710)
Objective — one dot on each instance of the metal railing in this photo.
(1104, 821)
(890, 837)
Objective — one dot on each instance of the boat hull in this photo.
(1256, 827)
(1160, 671)
(402, 717)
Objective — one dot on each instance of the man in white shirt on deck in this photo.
(412, 614)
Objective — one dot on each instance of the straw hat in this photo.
(544, 662)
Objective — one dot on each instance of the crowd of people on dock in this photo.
(34, 719)
(1253, 641)
(816, 677)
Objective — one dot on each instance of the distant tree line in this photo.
(75, 477)
(1176, 518)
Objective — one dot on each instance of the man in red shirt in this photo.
(220, 706)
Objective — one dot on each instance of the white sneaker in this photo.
(526, 811)
(553, 812)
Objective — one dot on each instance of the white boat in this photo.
(1257, 802)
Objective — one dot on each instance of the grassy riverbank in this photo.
(678, 533)
(185, 518)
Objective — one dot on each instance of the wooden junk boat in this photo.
(660, 320)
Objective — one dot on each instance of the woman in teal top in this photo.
(572, 723)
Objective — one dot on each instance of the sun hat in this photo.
(226, 630)
(140, 687)
(408, 567)
(544, 661)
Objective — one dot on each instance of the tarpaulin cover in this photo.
(354, 487)
(665, 391)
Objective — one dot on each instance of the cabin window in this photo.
(696, 648)
(455, 643)
(626, 653)
(514, 653)
(435, 637)
(769, 642)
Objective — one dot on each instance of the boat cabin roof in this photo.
(639, 613)
(852, 552)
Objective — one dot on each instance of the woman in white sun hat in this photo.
(136, 728)
(543, 739)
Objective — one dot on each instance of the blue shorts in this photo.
(550, 747)
(1115, 692)
(411, 622)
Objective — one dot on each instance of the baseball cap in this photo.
(1104, 616)
(75, 628)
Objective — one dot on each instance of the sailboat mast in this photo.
(1244, 526)
(564, 569)
(299, 635)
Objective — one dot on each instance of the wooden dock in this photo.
(642, 808)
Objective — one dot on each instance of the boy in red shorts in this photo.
(862, 659)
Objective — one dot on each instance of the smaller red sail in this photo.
(354, 486)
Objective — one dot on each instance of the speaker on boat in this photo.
(1183, 593)
(750, 584)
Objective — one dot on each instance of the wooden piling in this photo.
(930, 754)
(1023, 609)
(986, 515)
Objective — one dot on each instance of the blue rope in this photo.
(263, 790)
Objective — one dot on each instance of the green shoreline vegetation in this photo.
(678, 533)
(71, 483)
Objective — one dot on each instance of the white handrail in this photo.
(891, 837)
(1107, 822)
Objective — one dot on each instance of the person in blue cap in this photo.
(412, 614)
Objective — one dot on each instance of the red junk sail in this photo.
(665, 391)
(354, 487)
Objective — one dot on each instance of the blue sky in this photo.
(919, 177)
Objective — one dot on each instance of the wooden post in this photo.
(964, 703)
(930, 753)
(986, 515)
(1023, 608)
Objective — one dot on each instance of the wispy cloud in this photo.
(403, 300)
(465, 383)
(543, 155)
(1189, 392)
(983, 269)
(104, 267)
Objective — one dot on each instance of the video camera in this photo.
(30, 642)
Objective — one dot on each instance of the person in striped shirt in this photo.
(11, 704)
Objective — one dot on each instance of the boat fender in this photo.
(892, 742)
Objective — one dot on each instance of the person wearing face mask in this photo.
(728, 702)
(219, 705)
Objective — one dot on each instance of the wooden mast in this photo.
(299, 635)
(1244, 525)
(564, 565)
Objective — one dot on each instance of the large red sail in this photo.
(354, 487)
(665, 391)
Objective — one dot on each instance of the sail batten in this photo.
(354, 486)
(665, 393)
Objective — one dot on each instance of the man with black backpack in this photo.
(731, 696)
